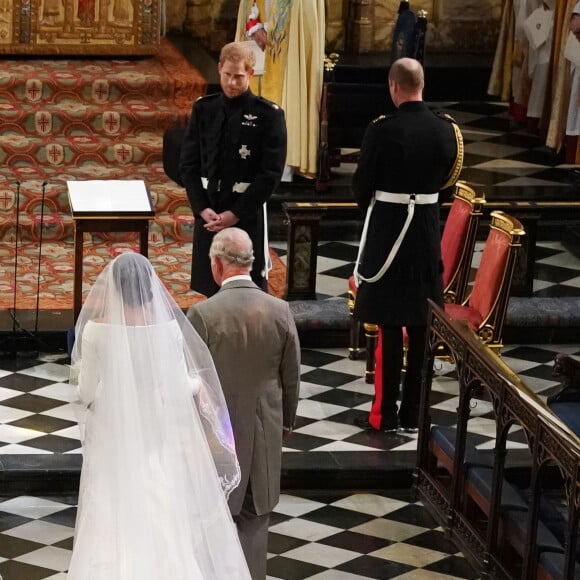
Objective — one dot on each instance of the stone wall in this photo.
(460, 26)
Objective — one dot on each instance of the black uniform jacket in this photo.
(228, 141)
(413, 150)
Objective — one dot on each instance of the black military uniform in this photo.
(412, 151)
(232, 158)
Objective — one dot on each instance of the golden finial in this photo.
(330, 61)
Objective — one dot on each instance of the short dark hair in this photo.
(408, 74)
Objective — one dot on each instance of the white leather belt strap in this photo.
(420, 198)
(410, 199)
(267, 258)
(238, 187)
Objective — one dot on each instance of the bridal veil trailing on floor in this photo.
(158, 451)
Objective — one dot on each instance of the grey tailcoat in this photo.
(253, 340)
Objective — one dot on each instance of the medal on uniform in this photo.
(244, 151)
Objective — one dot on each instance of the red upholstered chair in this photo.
(485, 308)
(457, 244)
(458, 241)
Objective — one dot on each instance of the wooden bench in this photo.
(515, 533)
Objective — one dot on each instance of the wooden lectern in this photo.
(107, 206)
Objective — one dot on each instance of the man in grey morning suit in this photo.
(253, 340)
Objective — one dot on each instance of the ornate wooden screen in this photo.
(79, 27)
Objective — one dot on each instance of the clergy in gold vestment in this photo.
(294, 60)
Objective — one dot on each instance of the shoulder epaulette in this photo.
(381, 118)
(208, 97)
(269, 103)
(445, 116)
(458, 164)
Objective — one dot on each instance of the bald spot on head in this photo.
(408, 74)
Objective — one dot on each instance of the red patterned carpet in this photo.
(77, 119)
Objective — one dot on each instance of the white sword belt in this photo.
(237, 187)
(408, 199)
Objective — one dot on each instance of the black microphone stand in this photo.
(21, 341)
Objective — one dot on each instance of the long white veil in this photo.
(158, 450)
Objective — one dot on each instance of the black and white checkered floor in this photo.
(324, 535)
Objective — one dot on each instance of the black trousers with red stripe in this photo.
(388, 368)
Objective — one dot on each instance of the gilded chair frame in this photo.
(490, 328)
(455, 291)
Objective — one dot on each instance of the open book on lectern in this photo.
(109, 197)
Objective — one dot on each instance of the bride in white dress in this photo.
(158, 451)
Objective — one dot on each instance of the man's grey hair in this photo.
(233, 246)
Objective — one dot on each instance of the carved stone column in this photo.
(359, 26)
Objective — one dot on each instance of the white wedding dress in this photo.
(152, 498)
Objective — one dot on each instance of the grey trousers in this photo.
(253, 534)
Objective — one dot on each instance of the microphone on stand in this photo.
(16, 257)
(43, 197)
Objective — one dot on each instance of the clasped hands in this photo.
(215, 222)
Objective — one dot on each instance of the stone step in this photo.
(48, 120)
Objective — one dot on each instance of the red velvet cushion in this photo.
(471, 315)
(351, 285)
(453, 240)
(490, 273)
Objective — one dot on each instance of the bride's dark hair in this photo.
(133, 276)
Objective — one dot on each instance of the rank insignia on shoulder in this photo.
(269, 103)
(446, 116)
(207, 97)
(380, 119)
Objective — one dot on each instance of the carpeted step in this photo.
(173, 221)
(49, 120)
(141, 149)
(26, 171)
(47, 272)
(166, 77)
(69, 119)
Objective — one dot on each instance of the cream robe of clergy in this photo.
(573, 119)
(560, 95)
(294, 65)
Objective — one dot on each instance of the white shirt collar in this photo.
(238, 277)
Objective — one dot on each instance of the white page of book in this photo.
(109, 196)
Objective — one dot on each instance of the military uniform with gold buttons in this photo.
(232, 158)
